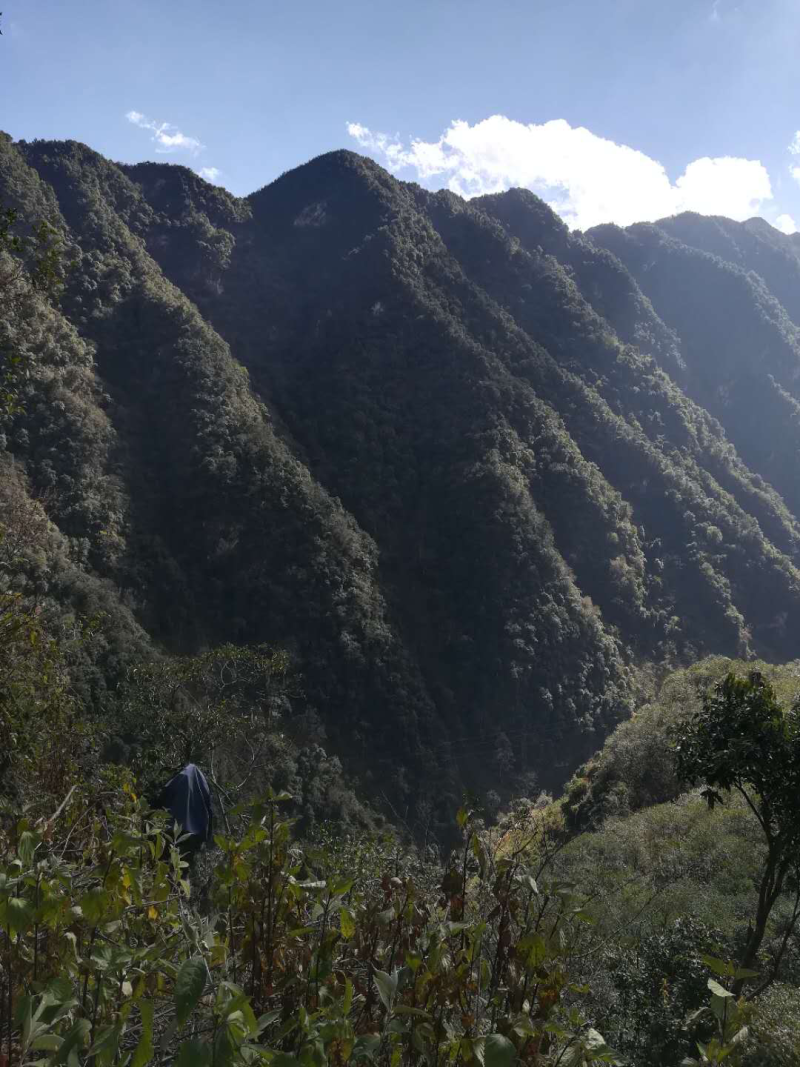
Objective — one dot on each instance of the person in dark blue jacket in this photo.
(187, 798)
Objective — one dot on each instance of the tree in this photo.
(27, 265)
(224, 702)
(742, 740)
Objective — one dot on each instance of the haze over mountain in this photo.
(472, 470)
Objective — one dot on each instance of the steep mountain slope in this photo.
(469, 468)
(741, 348)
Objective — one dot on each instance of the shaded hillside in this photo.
(468, 468)
(740, 345)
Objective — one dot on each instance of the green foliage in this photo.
(454, 468)
(658, 984)
(775, 1028)
(105, 956)
(28, 266)
(743, 740)
(672, 886)
(468, 479)
(731, 1018)
(636, 766)
(178, 711)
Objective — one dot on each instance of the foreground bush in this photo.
(112, 955)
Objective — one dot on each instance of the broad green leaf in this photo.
(717, 989)
(269, 1018)
(47, 1043)
(17, 915)
(94, 904)
(144, 1050)
(189, 985)
(366, 1046)
(60, 989)
(347, 923)
(225, 1047)
(194, 1053)
(594, 1040)
(241, 1005)
(523, 1026)
(720, 967)
(532, 949)
(106, 1044)
(498, 1051)
(74, 1038)
(387, 986)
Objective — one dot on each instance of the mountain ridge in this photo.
(472, 469)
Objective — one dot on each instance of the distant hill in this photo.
(470, 469)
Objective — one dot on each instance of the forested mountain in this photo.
(469, 469)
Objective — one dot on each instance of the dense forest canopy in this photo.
(361, 496)
(467, 469)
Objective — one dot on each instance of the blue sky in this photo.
(613, 110)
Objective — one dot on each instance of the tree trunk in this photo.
(768, 893)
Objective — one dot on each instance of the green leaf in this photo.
(17, 915)
(189, 985)
(456, 927)
(241, 1005)
(594, 1040)
(532, 949)
(60, 989)
(366, 1047)
(720, 967)
(347, 923)
(387, 986)
(47, 1043)
(498, 1051)
(93, 905)
(269, 1018)
(225, 1047)
(26, 846)
(106, 1045)
(194, 1053)
(717, 989)
(404, 1009)
(144, 1050)
(74, 1038)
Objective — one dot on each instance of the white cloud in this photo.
(794, 148)
(786, 224)
(211, 174)
(168, 137)
(585, 178)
